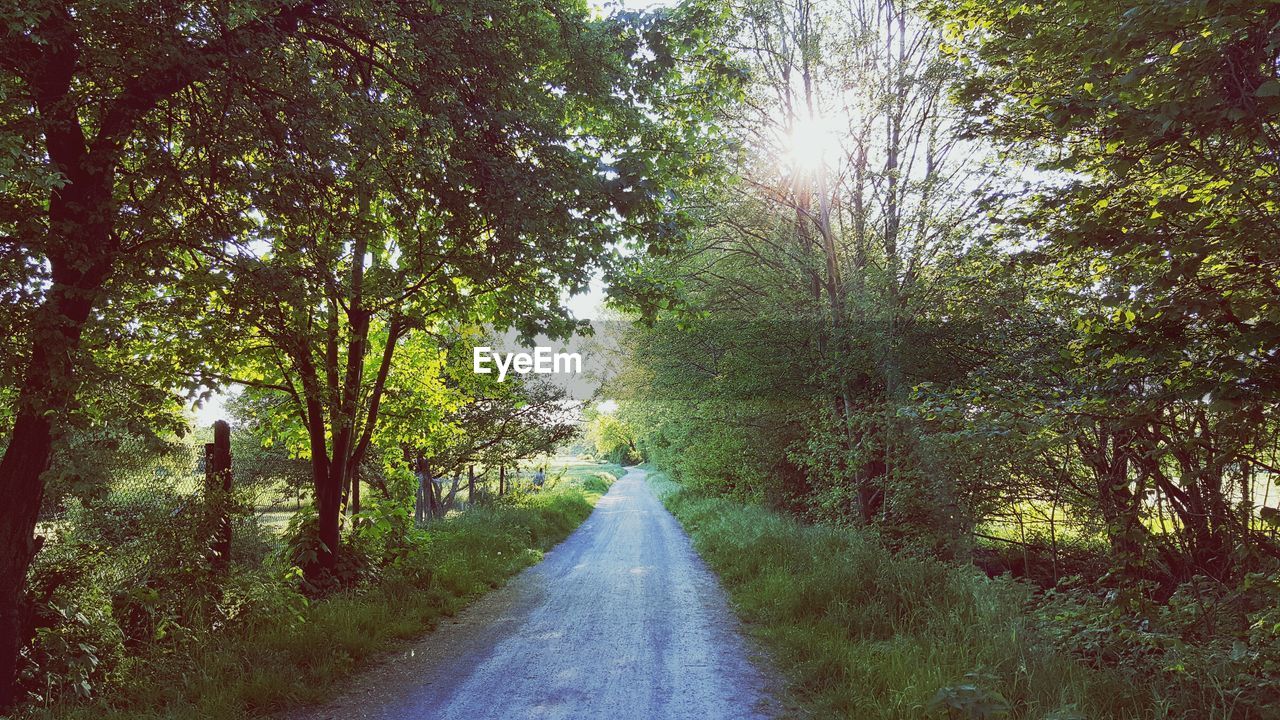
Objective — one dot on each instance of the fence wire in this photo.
(115, 506)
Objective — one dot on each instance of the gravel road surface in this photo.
(621, 620)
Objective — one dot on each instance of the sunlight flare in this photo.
(812, 142)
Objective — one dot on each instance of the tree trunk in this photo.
(327, 488)
(48, 388)
(433, 494)
(414, 461)
(21, 487)
(81, 251)
(354, 505)
(328, 503)
(1108, 458)
(332, 482)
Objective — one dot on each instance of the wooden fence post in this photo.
(217, 487)
(502, 479)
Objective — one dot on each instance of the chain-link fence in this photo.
(122, 509)
(115, 506)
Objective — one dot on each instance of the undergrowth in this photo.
(864, 633)
(269, 647)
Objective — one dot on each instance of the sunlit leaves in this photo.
(1166, 134)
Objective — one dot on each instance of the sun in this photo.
(812, 143)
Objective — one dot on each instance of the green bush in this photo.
(1211, 652)
(596, 484)
(303, 546)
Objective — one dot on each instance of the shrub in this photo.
(303, 546)
(1211, 651)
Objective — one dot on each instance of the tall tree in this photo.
(857, 195)
(98, 97)
(474, 179)
(81, 86)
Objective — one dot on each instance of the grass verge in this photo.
(274, 649)
(863, 633)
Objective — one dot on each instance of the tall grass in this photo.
(864, 633)
(277, 650)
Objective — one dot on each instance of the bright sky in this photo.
(215, 408)
(588, 305)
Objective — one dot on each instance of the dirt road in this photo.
(621, 620)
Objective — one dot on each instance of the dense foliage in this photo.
(164, 644)
(920, 287)
(1014, 307)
